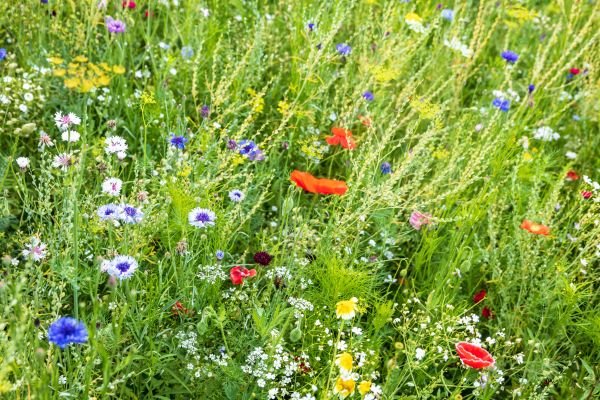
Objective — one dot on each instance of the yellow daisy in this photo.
(344, 388)
(364, 387)
(344, 361)
(346, 309)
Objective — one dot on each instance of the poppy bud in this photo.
(296, 334)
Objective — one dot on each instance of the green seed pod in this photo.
(296, 334)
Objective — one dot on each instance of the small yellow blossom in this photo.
(346, 309)
(364, 387)
(344, 361)
(344, 387)
(59, 72)
(80, 59)
(71, 83)
(55, 60)
(118, 69)
(413, 17)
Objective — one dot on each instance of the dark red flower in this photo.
(575, 71)
(572, 176)
(148, 14)
(178, 310)
(263, 258)
(479, 296)
(474, 356)
(586, 194)
(487, 313)
(128, 4)
(239, 273)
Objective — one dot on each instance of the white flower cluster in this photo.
(546, 134)
(211, 273)
(276, 371)
(300, 306)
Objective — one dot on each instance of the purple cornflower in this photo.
(201, 217)
(386, 168)
(109, 212)
(311, 26)
(343, 49)
(130, 215)
(205, 111)
(122, 267)
(220, 254)
(531, 88)
(67, 330)
(368, 96)
(114, 25)
(2, 54)
(510, 56)
(501, 104)
(178, 141)
(236, 195)
(231, 144)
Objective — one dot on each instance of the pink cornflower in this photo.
(63, 161)
(35, 249)
(64, 122)
(114, 25)
(418, 219)
(45, 140)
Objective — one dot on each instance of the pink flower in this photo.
(418, 219)
(238, 274)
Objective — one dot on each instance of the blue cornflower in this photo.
(236, 195)
(122, 267)
(187, 52)
(178, 141)
(130, 214)
(201, 217)
(368, 96)
(249, 149)
(510, 56)
(220, 254)
(109, 212)
(343, 49)
(311, 26)
(501, 104)
(67, 330)
(386, 168)
(2, 54)
(447, 14)
(531, 88)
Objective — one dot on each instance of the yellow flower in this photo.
(412, 17)
(364, 387)
(118, 69)
(102, 80)
(344, 361)
(237, 160)
(86, 86)
(105, 66)
(55, 60)
(346, 309)
(80, 59)
(344, 387)
(59, 72)
(71, 83)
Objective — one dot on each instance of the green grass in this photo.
(265, 76)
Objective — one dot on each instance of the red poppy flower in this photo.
(575, 71)
(487, 313)
(535, 228)
(572, 176)
(474, 356)
(479, 296)
(587, 194)
(318, 185)
(238, 274)
(341, 137)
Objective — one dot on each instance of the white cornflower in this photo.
(23, 163)
(64, 122)
(112, 186)
(70, 136)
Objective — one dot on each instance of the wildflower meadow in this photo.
(303, 200)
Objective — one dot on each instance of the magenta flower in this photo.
(418, 219)
(114, 25)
